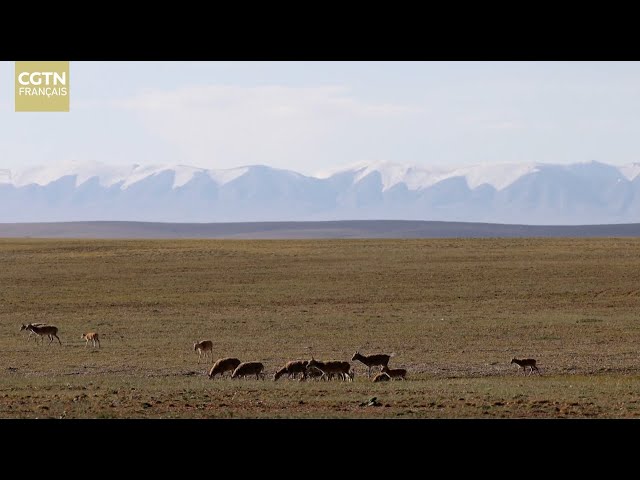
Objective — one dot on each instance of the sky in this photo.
(314, 117)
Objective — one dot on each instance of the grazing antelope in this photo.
(92, 337)
(31, 334)
(42, 330)
(249, 368)
(292, 369)
(313, 372)
(279, 373)
(327, 368)
(395, 372)
(372, 360)
(330, 368)
(203, 347)
(526, 362)
(223, 365)
(382, 377)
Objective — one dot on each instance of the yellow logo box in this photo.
(42, 86)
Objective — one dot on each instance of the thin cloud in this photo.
(221, 125)
(265, 99)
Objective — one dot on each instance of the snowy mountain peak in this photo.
(631, 171)
(415, 177)
(532, 193)
(110, 175)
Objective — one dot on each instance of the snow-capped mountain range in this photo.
(535, 194)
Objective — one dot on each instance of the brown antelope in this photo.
(279, 373)
(372, 360)
(92, 337)
(42, 330)
(249, 368)
(526, 362)
(223, 365)
(205, 346)
(395, 372)
(346, 372)
(327, 368)
(382, 377)
(330, 368)
(313, 372)
(291, 369)
(31, 334)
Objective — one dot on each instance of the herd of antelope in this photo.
(304, 368)
(41, 330)
(316, 369)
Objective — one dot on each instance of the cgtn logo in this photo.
(54, 83)
(42, 86)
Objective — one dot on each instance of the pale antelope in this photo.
(42, 330)
(395, 372)
(249, 368)
(223, 365)
(526, 362)
(205, 346)
(382, 377)
(92, 337)
(372, 360)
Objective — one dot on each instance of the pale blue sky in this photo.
(315, 116)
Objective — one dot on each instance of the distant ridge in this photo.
(532, 194)
(309, 230)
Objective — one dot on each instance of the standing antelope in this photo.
(395, 372)
(526, 362)
(92, 337)
(42, 330)
(342, 369)
(203, 347)
(372, 360)
(31, 334)
(346, 373)
(313, 372)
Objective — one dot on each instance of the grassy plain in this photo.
(454, 312)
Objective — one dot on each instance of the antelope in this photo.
(43, 330)
(92, 337)
(293, 368)
(330, 368)
(382, 377)
(313, 372)
(327, 368)
(248, 368)
(372, 360)
(203, 347)
(395, 372)
(223, 365)
(346, 373)
(31, 334)
(526, 362)
(279, 373)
